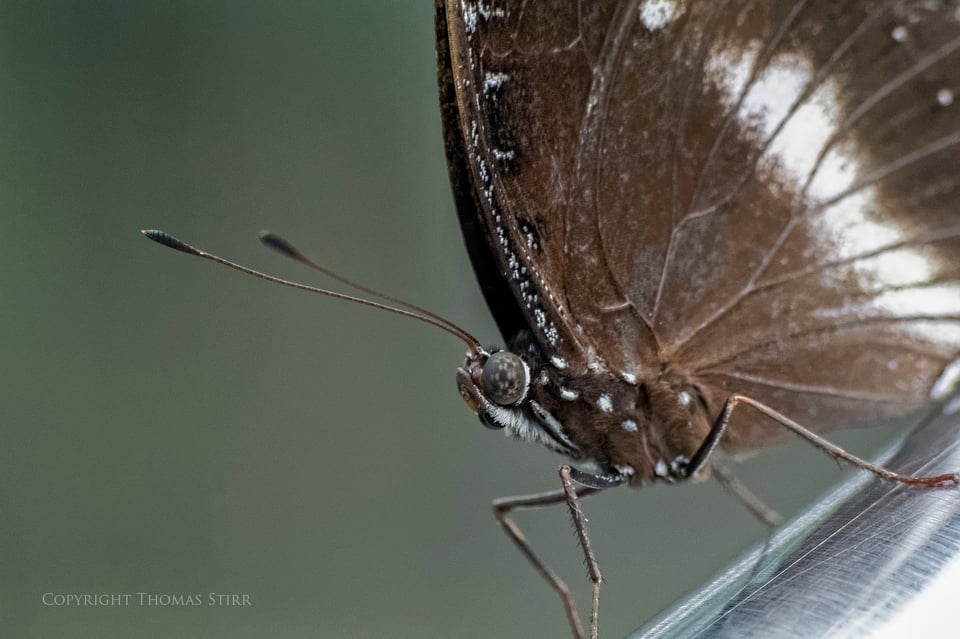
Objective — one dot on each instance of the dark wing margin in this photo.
(507, 72)
(496, 290)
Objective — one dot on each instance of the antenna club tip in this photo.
(280, 245)
(164, 238)
(154, 234)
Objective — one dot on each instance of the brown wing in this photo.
(807, 252)
(512, 108)
(764, 196)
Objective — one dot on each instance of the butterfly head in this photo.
(494, 385)
(498, 387)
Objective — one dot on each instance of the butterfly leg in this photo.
(754, 504)
(948, 480)
(568, 476)
(570, 495)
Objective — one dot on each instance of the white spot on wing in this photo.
(552, 335)
(540, 317)
(604, 403)
(469, 11)
(629, 425)
(487, 11)
(493, 81)
(656, 14)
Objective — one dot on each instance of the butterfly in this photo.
(698, 225)
(703, 224)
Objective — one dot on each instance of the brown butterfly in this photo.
(698, 224)
(703, 224)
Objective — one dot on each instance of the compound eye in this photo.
(505, 378)
(487, 421)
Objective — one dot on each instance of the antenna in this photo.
(277, 243)
(284, 247)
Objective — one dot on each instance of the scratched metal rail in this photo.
(870, 559)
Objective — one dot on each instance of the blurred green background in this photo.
(172, 427)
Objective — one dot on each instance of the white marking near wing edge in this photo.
(469, 17)
(656, 14)
(493, 80)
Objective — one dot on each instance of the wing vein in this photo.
(835, 56)
(873, 99)
(935, 146)
(857, 322)
(675, 204)
(809, 389)
(939, 235)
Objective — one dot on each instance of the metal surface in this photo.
(871, 559)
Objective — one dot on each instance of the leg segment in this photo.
(569, 494)
(948, 480)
